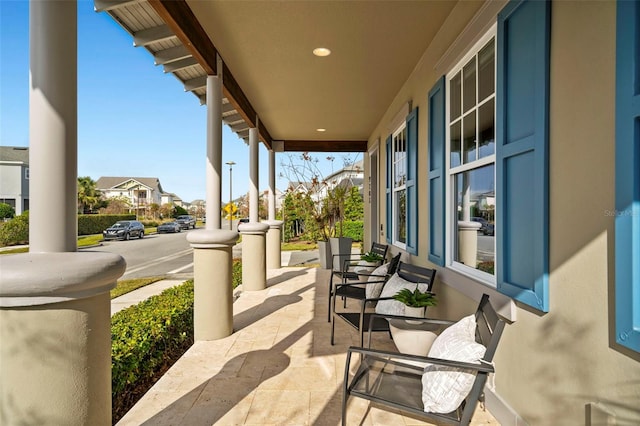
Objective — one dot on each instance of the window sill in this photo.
(474, 289)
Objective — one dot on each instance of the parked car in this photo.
(243, 220)
(485, 227)
(124, 230)
(169, 227)
(186, 221)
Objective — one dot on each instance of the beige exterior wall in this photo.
(550, 367)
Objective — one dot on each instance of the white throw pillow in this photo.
(364, 267)
(394, 285)
(372, 291)
(444, 388)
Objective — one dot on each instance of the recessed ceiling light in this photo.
(321, 130)
(321, 51)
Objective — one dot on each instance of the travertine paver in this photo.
(278, 367)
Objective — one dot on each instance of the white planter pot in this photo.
(410, 311)
(413, 342)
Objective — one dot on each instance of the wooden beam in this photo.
(180, 18)
(105, 5)
(325, 146)
(152, 35)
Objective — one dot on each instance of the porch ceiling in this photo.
(269, 68)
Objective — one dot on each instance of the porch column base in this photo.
(55, 329)
(254, 263)
(274, 246)
(212, 283)
(468, 242)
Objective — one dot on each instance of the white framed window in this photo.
(470, 161)
(399, 185)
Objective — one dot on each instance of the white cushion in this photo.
(364, 267)
(394, 285)
(372, 291)
(444, 388)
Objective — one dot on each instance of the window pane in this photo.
(455, 145)
(469, 137)
(454, 97)
(401, 217)
(486, 129)
(469, 85)
(486, 67)
(475, 204)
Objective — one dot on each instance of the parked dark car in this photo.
(485, 227)
(123, 230)
(169, 227)
(186, 221)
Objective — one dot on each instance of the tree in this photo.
(179, 210)
(6, 211)
(89, 197)
(116, 205)
(154, 208)
(354, 205)
(167, 210)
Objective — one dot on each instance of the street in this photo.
(154, 255)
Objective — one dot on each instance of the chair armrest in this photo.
(392, 357)
(403, 317)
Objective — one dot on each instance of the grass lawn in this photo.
(299, 245)
(125, 286)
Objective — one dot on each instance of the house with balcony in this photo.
(530, 108)
(141, 192)
(14, 177)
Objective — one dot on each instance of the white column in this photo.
(53, 131)
(253, 174)
(254, 268)
(274, 249)
(55, 327)
(214, 152)
(272, 185)
(212, 254)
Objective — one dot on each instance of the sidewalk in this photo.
(289, 258)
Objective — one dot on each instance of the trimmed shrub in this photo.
(6, 211)
(353, 229)
(236, 273)
(146, 339)
(149, 223)
(15, 231)
(89, 224)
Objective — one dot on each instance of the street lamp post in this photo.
(230, 164)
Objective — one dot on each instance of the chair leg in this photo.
(330, 297)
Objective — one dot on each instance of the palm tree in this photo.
(88, 195)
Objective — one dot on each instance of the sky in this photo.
(133, 120)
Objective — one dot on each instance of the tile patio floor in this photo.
(277, 368)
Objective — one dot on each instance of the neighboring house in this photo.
(14, 177)
(170, 198)
(141, 192)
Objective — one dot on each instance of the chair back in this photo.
(417, 274)
(380, 249)
(489, 327)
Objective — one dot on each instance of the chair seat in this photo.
(353, 319)
(351, 292)
(346, 275)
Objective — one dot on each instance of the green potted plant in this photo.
(416, 301)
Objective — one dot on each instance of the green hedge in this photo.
(15, 231)
(353, 229)
(146, 339)
(89, 224)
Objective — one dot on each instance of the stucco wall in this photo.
(551, 366)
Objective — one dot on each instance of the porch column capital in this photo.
(212, 238)
(69, 276)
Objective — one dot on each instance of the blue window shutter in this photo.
(627, 214)
(412, 182)
(389, 190)
(522, 163)
(437, 153)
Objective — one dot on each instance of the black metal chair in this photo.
(395, 380)
(347, 270)
(364, 321)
